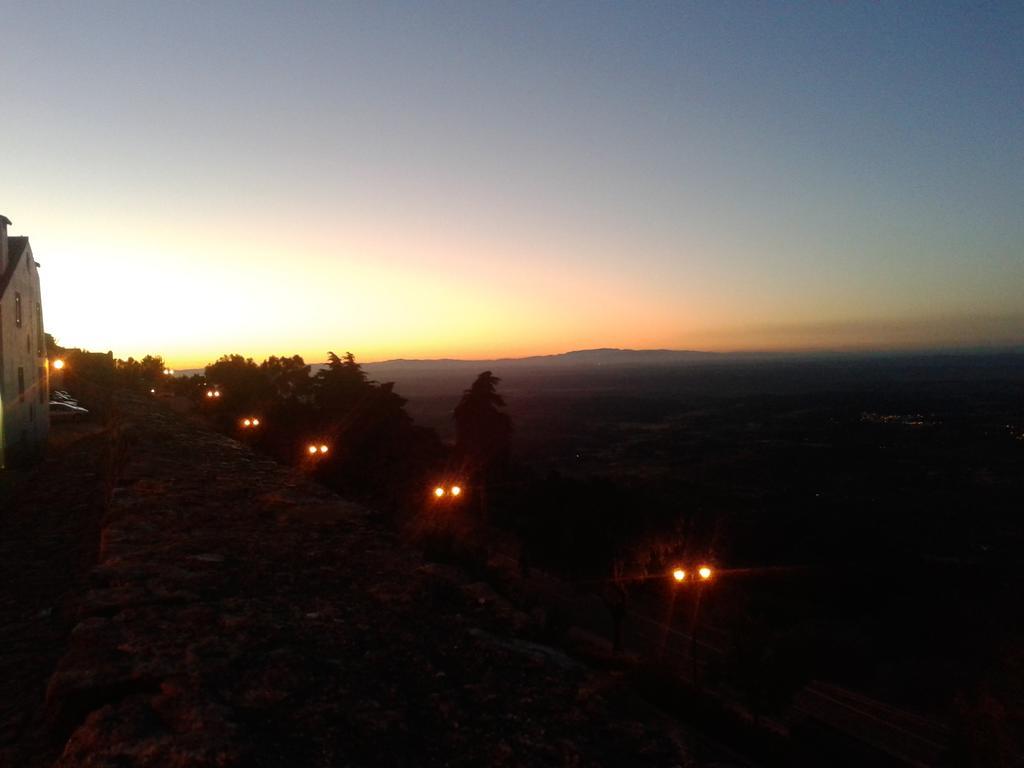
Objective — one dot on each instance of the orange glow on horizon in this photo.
(386, 292)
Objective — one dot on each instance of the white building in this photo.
(24, 387)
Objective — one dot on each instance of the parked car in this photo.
(61, 411)
(61, 396)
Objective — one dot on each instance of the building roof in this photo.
(16, 247)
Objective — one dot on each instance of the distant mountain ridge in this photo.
(611, 357)
(600, 356)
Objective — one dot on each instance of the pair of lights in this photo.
(213, 393)
(168, 371)
(313, 449)
(246, 423)
(440, 491)
(703, 573)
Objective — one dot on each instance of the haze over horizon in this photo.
(486, 180)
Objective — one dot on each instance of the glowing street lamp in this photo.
(704, 574)
(454, 491)
(58, 364)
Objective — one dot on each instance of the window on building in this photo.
(17, 310)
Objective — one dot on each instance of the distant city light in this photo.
(439, 491)
(255, 422)
(152, 391)
(312, 450)
(679, 574)
(58, 364)
(456, 490)
(323, 449)
(704, 572)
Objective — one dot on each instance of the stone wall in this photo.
(242, 615)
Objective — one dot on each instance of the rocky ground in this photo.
(239, 615)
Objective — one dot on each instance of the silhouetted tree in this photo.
(139, 374)
(92, 377)
(53, 349)
(289, 376)
(339, 388)
(377, 452)
(244, 388)
(483, 431)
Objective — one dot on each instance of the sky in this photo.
(500, 179)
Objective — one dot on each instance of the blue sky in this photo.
(469, 179)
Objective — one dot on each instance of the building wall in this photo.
(24, 390)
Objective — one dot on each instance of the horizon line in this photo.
(855, 351)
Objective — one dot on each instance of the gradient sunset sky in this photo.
(477, 179)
